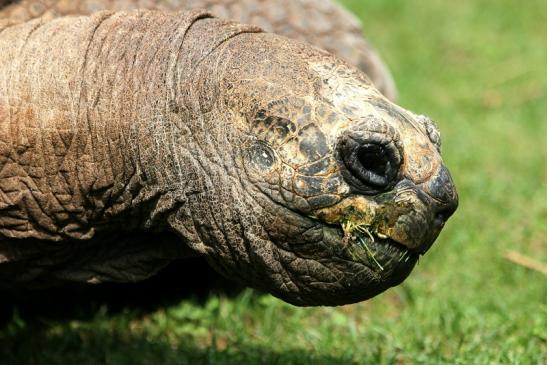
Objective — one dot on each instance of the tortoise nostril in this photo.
(446, 212)
(442, 216)
(442, 190)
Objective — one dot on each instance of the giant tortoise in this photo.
(130, 139)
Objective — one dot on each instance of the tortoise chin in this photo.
(338, 270)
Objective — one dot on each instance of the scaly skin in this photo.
(151, 136)
(320, 22)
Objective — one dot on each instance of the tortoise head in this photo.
(347, 189)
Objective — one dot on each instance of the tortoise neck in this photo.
(100, 128)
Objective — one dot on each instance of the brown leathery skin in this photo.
(147, 125)
(322, 23)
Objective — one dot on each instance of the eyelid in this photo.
(349, 146)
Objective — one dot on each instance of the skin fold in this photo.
(149, 136)
(322, 23)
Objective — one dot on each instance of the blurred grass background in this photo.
(479, 68)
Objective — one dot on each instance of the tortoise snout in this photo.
(441, 188)
(438, 201)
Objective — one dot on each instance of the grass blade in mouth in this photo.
(370, 253)
(360, 232)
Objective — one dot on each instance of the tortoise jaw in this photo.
(369, 235)
(379, 252)
(402, 218)
(381, 255)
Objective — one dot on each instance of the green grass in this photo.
(479, 68)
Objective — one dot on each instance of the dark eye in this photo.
(371, 166)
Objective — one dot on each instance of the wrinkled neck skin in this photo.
(107, 138)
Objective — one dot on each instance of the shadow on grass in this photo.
(184, 279)
(43, 344)
(85, 324)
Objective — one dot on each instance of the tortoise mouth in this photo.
(384, 236)
(382, 255)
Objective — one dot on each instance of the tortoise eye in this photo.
(373, 165)
(370, 166)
